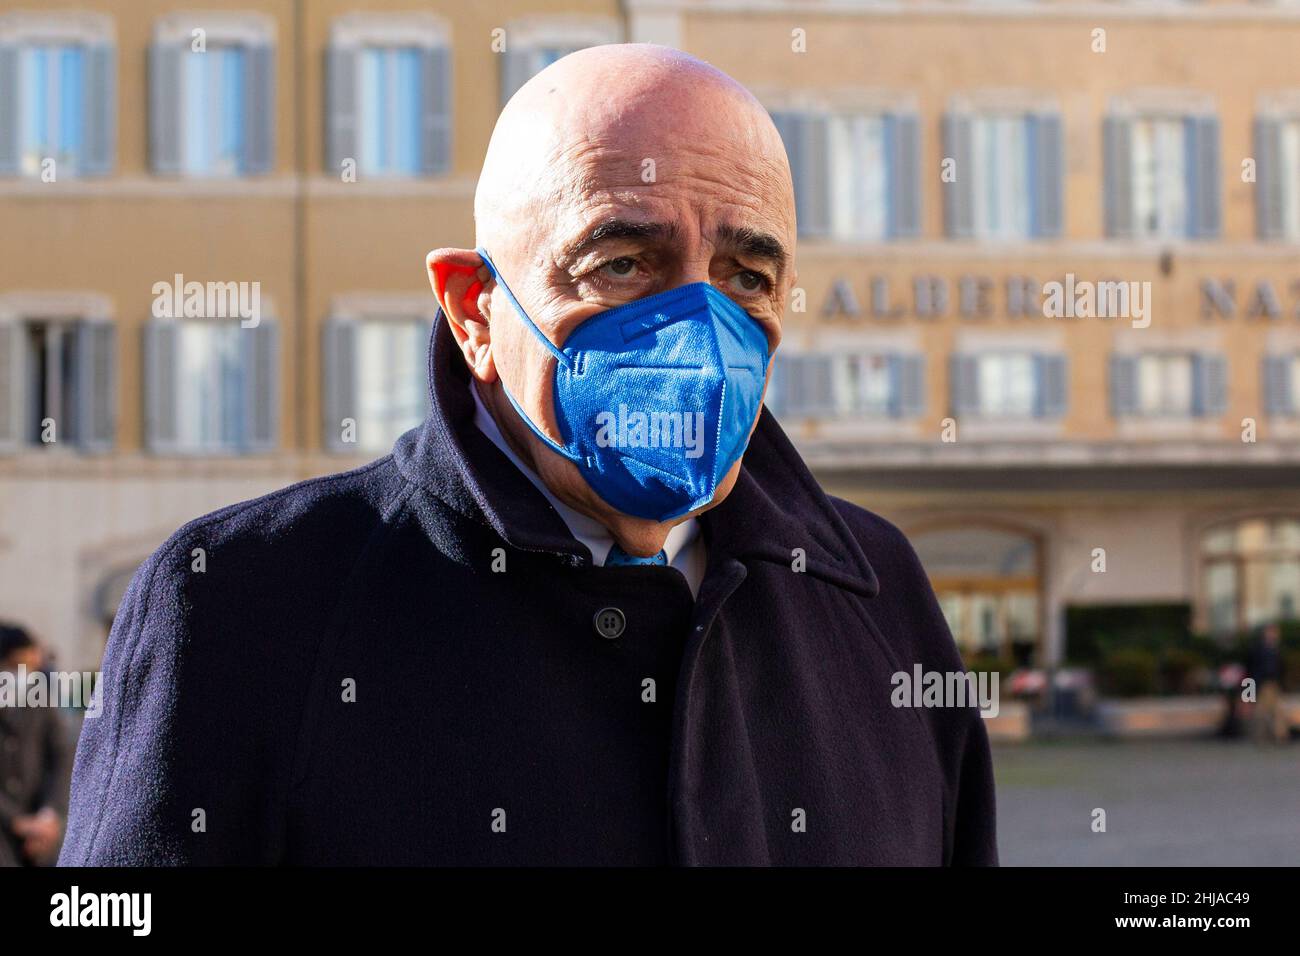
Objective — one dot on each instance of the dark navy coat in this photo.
(352, 680)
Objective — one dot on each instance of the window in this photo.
(1162, 176)
(1160, 181)
(389, 96)
(856, 175)
(390, 122)
(1005, 384)
(847, 385)
(1009, 385)
(212, 98)
(1164, 385)
(1280, 381)
(376, 379)
(1000, 150)
(1277, 177)
(858, 172)
(214, 108)
(1007, 175)
(211, 386)
(1290, 182)
(987, 584)
(56, 384)
(1251, 572)
(534, 44)
(57, 95)
(1174, 384)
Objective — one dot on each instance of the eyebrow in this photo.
(620, 229)
(748, 241)
(751, 242)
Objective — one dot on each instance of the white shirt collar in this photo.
(583, 527)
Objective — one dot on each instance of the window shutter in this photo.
(1052, 378)
(804, 385)
(805, 137)
(817, 151)
(10, 160)
(96, 401)
(1270, 177)
(812, 193)
(1117, 146)
(1046, 149)
(11, 387)
(100, 101)
(908, 379)
(162, 428)
(339, 380)
(789, 125)
(964, 388)
(341, 106)
(959, 195)
(817, 386)
(263, 380)
(1275, 378)
(785, 123)
(1123, 385)
(903, 133)
(1209, 385)
(259, 109)
(1204, 188)
(435, 111)
(516, 70)
(165, 107)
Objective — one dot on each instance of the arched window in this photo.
(988, 584)
(1251, 572)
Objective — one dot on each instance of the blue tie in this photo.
(618, 558)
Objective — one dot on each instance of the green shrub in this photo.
(991, 663)
(1181, 669)
(1129, 672)
(1093, 631)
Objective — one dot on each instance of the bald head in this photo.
(636, 105)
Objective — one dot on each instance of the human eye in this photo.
(747, 282)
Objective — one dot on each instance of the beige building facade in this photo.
(953, 159)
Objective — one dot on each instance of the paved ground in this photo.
(1206, 803)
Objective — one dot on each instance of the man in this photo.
(1270, 723)
(34, 758)
(562, 623)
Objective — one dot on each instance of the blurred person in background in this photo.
(35, 760)
(1266, 669)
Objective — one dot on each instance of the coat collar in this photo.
(775, 507)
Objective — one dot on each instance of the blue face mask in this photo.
(655, 399)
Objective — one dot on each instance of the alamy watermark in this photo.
(1085, 299)
(922, 688)
(636, 429)
(133, 911)
(179, 299)
(23, 688)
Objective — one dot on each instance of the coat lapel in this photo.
(450, 458)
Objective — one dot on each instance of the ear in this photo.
(457, 276)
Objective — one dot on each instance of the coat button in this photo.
(609, 622)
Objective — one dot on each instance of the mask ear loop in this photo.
(541, 337)
(550, 347)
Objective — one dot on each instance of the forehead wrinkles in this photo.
(586, 176)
